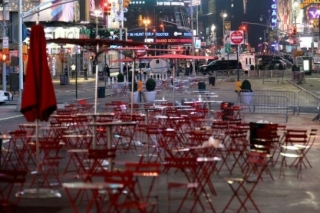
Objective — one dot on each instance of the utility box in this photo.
(201, 86)
(14, 81)
(101, 92)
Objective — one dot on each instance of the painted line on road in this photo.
(12, 117)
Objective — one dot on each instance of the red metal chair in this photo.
(10, 179)
(294, 146)
(14, 154)
(188, 167)
(50, 161)
(148, 174)
(243, 187)
(97, 162)
(124, 198)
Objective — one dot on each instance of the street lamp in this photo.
(295, 11)
(213, 28)
(146, 23)
(223, 15)
(97, 14)
(266, 31)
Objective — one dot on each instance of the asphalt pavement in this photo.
(289, 195)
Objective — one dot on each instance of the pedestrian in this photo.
(73, 70)
(107, 70)
(190, 67)
(85, 72)
(66, 71)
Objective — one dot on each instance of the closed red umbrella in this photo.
(38, 99)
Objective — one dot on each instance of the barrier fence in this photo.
(307, 100)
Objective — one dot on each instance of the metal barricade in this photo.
(292, 97)
(272, 75)
(270, 104)
(307, 100)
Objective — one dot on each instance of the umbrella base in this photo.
(38, 193)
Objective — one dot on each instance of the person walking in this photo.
(107, 70)
(85, 72)
(190, 67)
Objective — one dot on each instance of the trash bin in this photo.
(64, 80)
(227, 112)
(212, 80)
(101, 92)
(187, 71)
(101, 76)
(201, 86)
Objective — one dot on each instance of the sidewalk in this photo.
(288, 195)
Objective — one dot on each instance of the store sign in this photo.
(313, 12)
(196, 2)
(173, 40)
(170, 3)
(305, 3)
(274, 14)
(158, 34)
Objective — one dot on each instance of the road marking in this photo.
(12, 117)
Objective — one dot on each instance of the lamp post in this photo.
(146, 23)
(266, 31)
(213, 28)
(223, 15)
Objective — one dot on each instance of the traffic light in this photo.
(4, 57)
(294, 31)
(140, 86)
(126, 3)
(107, 8)
(161, 27)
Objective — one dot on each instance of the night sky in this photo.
(255, 8)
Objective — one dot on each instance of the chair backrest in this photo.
(82, 101)
(18, 133)
(13, 176)
(181, 163)
(102, 154)
(145, 169)
(296, 136)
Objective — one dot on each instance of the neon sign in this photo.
(313, 13)
(274, 14)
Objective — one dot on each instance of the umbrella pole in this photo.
(37, 153)
(173, 74)
(96, 84)
(132, 83)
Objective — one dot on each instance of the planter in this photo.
(149, 97)
(121, 84)
(135, 96)
(246, 97)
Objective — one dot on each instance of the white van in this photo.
(159, 66)
(142, 65)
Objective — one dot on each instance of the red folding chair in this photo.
(146, 174)
(49, 163)
(14, 154)
(98, 161)
(293, 148)
(126, 197)
(192, 184)
(243, 187)
(10, 179)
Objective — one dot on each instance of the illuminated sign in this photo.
(308, 2)
(274, 14)
(169, 3)
(313, 12)
(173, 40)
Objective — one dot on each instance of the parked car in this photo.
(220, 65)
(5, 96)
(275, 63)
